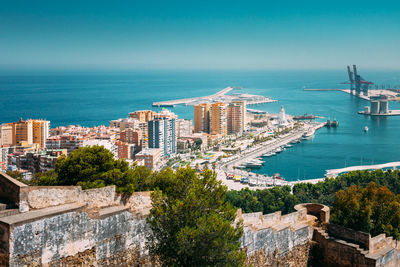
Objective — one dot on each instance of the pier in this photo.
(186, 101)
(220, 96)
(336, 172)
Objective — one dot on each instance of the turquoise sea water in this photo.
(98, 97)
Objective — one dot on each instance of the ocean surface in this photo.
(95, 98)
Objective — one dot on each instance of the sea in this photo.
(90, 98)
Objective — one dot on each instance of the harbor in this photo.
(240, 166)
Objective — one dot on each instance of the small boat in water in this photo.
(309, 133)
(366, 129)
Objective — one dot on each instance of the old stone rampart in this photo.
(10, 189)
(67, 225)
(272, 239)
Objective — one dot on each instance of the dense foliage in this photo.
(324, 192)
(267, 200)
(191, 223)
(370, 209)
(355, 201)
(95, 166)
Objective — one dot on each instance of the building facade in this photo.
(184, 127)
(202, 118)
(25, 132)
(6, 134)
(143, 115)
(69, 142)
(162, 134)
(149, 156)
(236, 113)
(218, 119)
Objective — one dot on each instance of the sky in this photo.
(152, 34)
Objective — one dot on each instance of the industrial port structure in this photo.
(357, 83)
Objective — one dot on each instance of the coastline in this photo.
(227, 167)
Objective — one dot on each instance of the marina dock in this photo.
(266, 147)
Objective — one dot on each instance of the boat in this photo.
(328, 123)
(289, 145)
(366, 129)
(278, 150)
(309, 133)
(254, 163)
(334, 123)
(278, 176)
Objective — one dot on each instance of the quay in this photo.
(336, 172)
(322, 89)
(371, 93)
(395, 112)
(220, 96)
(172, 103)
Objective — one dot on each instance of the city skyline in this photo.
(206, 35)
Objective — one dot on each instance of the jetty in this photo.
(336, 172)
(220, 96)
(186, 101)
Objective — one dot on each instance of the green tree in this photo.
(191, 223)
(371, 209)
(95, 166)
(15, 174)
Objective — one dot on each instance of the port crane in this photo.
(357, 83)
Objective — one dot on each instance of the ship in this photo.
(309, 133)
(334, 123)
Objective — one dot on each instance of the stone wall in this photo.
(360, 238)
(96, 229)
(68, 226)
(39, 197)
(273, 238)
(334, 251)
(320, 211)
(10, 189)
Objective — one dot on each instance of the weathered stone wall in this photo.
(53, 238)
(39, 197)
(271, 238)
(10, 189)
(332, 251)
(320, 211)
(360, 238)
(297, 257)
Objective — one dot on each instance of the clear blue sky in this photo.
(199, 34)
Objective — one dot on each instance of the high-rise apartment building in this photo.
(6, 134)
(40, 129)
(143, 115)
(131, 136)
(202, 118)
(184, 127)
(27, 132)
(236, 117)
(162, 134)
(218, 118)
(130, 143)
